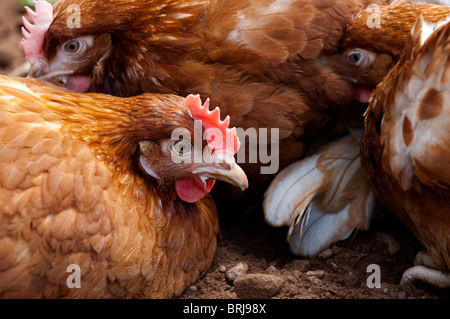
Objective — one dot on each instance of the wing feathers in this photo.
(416, 125)
(275, 30)
(291, 192)
(322, 198)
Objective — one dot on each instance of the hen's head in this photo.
(374, 42)
(109, 46)
(170, 145)
(364, 69)
(193, 158)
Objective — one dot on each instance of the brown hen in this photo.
(405, 148)
(92, 181)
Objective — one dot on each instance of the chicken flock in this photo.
(109, 156)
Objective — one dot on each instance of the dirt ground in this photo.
(339, 272)
(11, 55)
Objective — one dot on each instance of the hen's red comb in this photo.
(221, 139)
(34, 34)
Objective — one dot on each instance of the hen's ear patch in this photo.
(34, 33)
(147, 167)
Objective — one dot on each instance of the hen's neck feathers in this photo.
(392, 33)
(104, 121)
(113, 127)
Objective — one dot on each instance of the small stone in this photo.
(290, 279)
(236, 271)
(257, 286)
(300, 265)
(274, 263)
(315, 281)
(393, 245)
(272, 270)
(315, 273)
(222, 269)
(327, 253)
(402, 295)
(191, 290)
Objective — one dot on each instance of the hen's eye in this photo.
(181, 147)
(361, 58)
(72, 46)
(354, 57)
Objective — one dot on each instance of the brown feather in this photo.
(396, 23)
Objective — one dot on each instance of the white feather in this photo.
(429, 27)
(321, 206)
(282, 201)
(307, 239)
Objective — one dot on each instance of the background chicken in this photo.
(405, 147)
(326, 196)
(259, 61)
(90, 179)
(374, 42)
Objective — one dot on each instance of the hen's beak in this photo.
(39, 69)
(227, 172)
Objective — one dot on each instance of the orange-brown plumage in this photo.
(74, 190)
(405, 148)
(395, 23)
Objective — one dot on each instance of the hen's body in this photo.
(405, 148)
(71, 192)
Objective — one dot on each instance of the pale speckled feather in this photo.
(416, 142)
(405, 147)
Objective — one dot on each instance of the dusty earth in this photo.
(339, 272)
